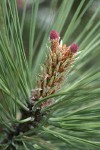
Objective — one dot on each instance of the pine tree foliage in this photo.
(72, 121)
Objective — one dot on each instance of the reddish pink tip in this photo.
(74, 47)
(54, 35)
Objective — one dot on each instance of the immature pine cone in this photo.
(57, 64)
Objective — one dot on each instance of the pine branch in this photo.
(57, 107)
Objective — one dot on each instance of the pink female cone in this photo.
(74, 47)
(54, 35)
